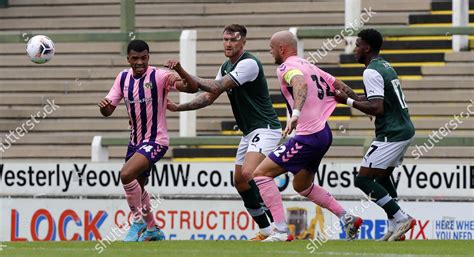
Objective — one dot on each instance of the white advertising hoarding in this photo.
(432, 180)
(29, 219)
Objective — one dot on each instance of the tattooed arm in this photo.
(300, 90)
(191, 82)
(246, 70)
(201, 101)
(215, 86)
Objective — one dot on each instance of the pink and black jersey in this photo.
(145, 99)
(320, 101)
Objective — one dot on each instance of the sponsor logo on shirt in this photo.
(148, 85)
(141, 100)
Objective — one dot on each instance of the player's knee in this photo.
(300, 187)
(259, 173)
(247, 175)
(264, 171)
(126, 176)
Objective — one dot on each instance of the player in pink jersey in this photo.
(144, 90)
(309, 93)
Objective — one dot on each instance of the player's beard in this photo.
(230, 52)
(278, 60)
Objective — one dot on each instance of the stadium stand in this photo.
(437, 82)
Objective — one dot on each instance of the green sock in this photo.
(378, 194)
(386, 182)
(254, 208)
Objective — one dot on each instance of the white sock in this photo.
(391, 225)
(266, 231)
(400, 215)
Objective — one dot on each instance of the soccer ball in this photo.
(40, 49)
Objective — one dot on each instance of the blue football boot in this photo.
(152, 235)
(135, 231)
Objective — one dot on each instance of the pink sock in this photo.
(323, 198)
(272, 198)
(133, 193)
(147, 212)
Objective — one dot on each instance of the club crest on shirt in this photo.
(148, 85)
(282, 67)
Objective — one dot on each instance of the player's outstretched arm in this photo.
(106, 107)
(216, 87)
(187, 84)
(182, 85)
(201, 101)
(346, 89)
(372, 107)
(192, 83)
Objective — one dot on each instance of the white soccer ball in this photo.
(40, 49)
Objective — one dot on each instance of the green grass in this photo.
(239, 248)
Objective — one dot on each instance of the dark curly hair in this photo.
(373, 38)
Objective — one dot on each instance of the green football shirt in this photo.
(250, 100)
(381, 82)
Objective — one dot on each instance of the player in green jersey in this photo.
(394, 131)
(242, 77)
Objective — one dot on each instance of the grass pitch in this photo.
(239, 248)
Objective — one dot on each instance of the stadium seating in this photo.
(437, 82)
